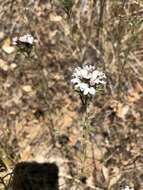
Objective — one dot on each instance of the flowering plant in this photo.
(127, 188)
(85, 79)
(25, 39)
(24, 43)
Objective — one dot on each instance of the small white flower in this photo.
(86, 78)
(92, 91)
(28, 38)
(127, 188)
(98, 77)
(85, 74)
(82, 86)
(89, 90)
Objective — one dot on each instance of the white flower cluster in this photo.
(86, 78)
(27, 38)
(127, 188)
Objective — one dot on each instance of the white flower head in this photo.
(27, 38)
(127, 188)
(86, 78)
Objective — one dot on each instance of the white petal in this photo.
(83, 86)
(75, 80)
(30, 39)
(92, 91)
(92, 82)
(84, 73)
(86, 91)
(22, 38)
(14, 40)
(96, 73)
(102, 82)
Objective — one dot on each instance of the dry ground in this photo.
(40, 115)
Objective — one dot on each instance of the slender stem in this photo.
(100, 22)
(85, 136)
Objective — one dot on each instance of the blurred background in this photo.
(40, 115)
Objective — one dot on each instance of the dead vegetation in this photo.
(40, 113)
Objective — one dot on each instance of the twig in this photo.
(3, 183)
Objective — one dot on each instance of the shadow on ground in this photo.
(35, 176)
